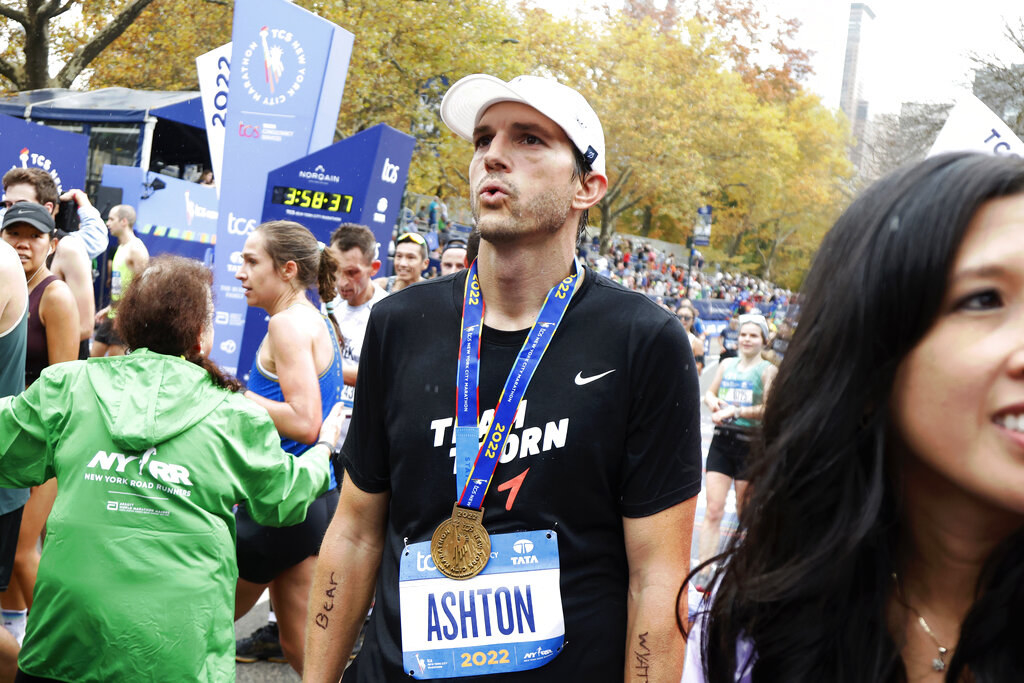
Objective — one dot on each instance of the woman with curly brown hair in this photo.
(151, 452)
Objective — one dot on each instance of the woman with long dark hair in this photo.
(151, 451)
(882, 535)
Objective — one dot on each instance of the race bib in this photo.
(348, 395)
(507, 618)
(737, 392)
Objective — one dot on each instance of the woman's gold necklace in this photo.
(938, 663)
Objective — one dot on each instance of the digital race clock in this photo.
(312, 199)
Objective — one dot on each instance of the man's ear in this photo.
(590, 192)
(374, 267)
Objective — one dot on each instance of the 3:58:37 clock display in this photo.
(312, 199)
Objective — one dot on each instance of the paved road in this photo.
(265, 672)
(260, 672)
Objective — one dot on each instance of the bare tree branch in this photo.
(64, 8)
(47, 10)
(11, 72)
(13, 14)
(626, 207)
(88, 52)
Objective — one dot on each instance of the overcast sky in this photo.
(919, 50)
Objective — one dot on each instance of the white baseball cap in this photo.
(467, 100)
(758, 320)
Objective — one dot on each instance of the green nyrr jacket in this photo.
(137, 577)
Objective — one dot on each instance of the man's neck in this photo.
(516, 280)
(364, 296)
(125, 237)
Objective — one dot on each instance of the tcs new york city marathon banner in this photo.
(30, 145)
(973, 127)
(287, 75)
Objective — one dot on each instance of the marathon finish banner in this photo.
(360, 179)
(287, 76)
(31, 145)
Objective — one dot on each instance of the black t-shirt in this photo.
(730, 339)
(609, 428)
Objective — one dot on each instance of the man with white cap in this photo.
(521, 481)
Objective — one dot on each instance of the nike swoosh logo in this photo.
(581, 380)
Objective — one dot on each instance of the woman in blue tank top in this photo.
(296, 376)
(736, 399)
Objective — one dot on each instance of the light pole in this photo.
(701, 237)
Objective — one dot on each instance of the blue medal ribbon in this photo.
(475, 463)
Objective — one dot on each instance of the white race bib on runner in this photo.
(507, 618)
(738, 392)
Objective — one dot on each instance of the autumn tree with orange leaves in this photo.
(701, 100)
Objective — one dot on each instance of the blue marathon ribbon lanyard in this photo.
(475, 463)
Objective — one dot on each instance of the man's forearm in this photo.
(340, 597)
(655, 650)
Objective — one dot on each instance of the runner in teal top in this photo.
(736, 399)
(743, 387)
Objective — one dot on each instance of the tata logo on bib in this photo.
(273, 67)
(30, 159)
(523, 548)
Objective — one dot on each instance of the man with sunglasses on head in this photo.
(410, 260)
(554, 548)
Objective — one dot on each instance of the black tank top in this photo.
(36, 354)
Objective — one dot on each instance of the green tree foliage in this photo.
(701, 101)
(158, 50)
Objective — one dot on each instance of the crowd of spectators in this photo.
(642, 267)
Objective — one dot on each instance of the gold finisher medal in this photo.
(460, 547)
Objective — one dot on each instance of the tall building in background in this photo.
(852, 100)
